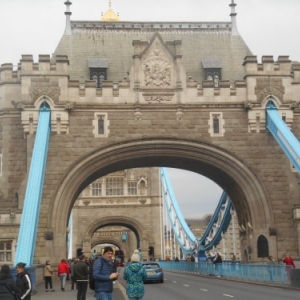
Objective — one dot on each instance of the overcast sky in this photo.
(269, 27)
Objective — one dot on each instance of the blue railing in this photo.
(272, 273)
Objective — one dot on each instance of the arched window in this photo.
(262, 246)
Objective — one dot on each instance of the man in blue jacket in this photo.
(104, 274)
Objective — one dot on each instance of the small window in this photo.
(6, 251)
(100, 124)
(96, 189)
(216, 124)
(98, 74)
(132, 188)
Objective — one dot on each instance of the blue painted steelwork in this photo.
(283, 135)
(217, 225)
(184, 236)
(274, 273)
(31, 210)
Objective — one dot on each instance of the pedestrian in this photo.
(73, 283)
(7, 285)
(23, 282)
(289, 263)
(81, 275)
(48, 272)
(62, 272)
(233, 262)
(218, 264)
(135, 274)
(271, 267)
(104, 274)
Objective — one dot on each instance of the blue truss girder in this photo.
(283, 135)
(33, 196)
(183, 233)
(218, 225)
(184, 236)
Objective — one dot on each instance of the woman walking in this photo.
(63, 271)
(7, 284)
(48, 276)
(135, 274)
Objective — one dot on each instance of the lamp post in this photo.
(296, 214)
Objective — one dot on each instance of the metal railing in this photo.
(271, 273)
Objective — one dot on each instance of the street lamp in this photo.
(296, 214)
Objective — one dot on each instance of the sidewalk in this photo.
(68, 294)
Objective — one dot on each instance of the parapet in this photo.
(58, 66)
(268, 66)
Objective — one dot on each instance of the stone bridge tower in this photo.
(126, 95)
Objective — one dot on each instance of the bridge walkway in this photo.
(68, 294)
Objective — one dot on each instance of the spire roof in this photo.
(68, 14)
(233, 14)
(110, 16)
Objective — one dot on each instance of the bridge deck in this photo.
(68, 294)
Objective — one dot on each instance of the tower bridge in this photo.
(158, 99)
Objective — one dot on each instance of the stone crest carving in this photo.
(157, 70)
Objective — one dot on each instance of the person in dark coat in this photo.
(7, 284)
(218, 263)
(23, 282)
(104, 274)
(81, 275)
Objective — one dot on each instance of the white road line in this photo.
(228, 295)
(204, 290)
(186, 285)
(174, 281)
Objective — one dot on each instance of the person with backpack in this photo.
(104, 273)
(81, 275)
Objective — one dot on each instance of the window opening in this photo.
(6, 251)
(132, 188)
(114, 186)
(262, 246)
(96, 189)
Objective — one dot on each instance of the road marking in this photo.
(228, 295)
(204, 290)
(186, 285)
(174, 281)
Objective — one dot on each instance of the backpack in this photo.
(91, 277)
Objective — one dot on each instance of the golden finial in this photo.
(110, 16)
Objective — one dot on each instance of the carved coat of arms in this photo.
(157, 70)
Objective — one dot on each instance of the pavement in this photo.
(118, 292)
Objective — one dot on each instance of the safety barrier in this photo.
(271, 273)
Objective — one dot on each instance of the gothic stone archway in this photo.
(140, 232)
(233, 175)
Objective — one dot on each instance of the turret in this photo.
(233, 14)
(68, 14)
